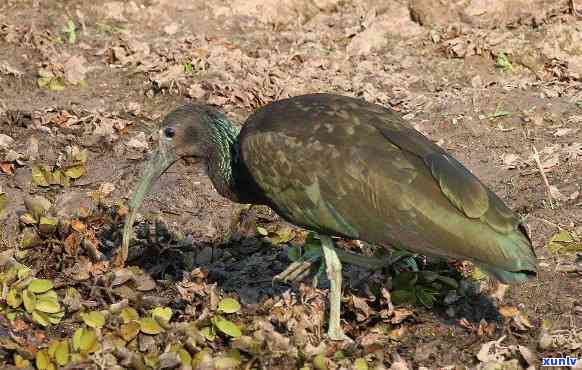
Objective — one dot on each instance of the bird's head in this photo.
(189, 132)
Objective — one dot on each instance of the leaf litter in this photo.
(226, 71)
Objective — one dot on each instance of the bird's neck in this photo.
(226, 168)
(221, 157)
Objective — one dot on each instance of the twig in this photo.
(550, 223)
(536, 156)
(573, 10)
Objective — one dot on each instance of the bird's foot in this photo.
(306, 264)
(300, 269)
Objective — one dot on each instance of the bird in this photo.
(343, 167)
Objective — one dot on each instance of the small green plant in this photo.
(499, 113)
(188, 67)
(503, 63)
(71, 30)
(219, 323)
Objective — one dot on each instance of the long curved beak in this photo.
(160, 161)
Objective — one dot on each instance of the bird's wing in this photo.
(348, 168)
(459, 185)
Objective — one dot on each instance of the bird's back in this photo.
(345, 167)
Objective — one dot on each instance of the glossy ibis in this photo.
(343, 167)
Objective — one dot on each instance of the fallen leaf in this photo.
(149, 325)
(75, 171)
(75, 69)
(78, 226)
(5, 141)
(71, 244)
(144, 283)
(564, 242)
(227, 327)
(40, 285)
(510, 160)
(162, 314)
(39, 176)
(7, 168)
(130, 330)
(106, 188)
(508, 311)
(85, 339)
(94, 319)
(229, 305)
(138, 142)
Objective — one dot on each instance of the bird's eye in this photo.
(169, 132)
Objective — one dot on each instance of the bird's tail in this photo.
(517, 246)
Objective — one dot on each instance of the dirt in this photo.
(441, 64)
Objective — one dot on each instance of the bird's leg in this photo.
(334, 274)
(301, 268)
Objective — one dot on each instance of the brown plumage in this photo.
(344, 167)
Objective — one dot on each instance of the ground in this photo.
(83, 85)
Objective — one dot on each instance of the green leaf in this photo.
(188, 67)
(3, 201)
(227, 327)
(564, 242)
(149, 325)
(70, 29)
(52, 348)
(55, 318)
(208, 333)
(129, 330)
(129, 314)
(48, 302)
(43, 360)
(40, 285)
(478, 274)
(94, 319)
(503, 62)
(202, 357)
(262, 231)
(29, 300)
(85, 340)
(51, 83)
(426, 297)
(404, 280)
(400, 297)
(282, 236)
(62, 353)
(226, 363)
(320, 362)
(294, 253)
(47, 225)
(40, 318)
(30, 238)
(20, 362)
(163, 314)
(360, 364)
(76, 171)
(28, 219)
(14, 298)
(39, 176)
(24, 271)
(229, 305)
(185, 357)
